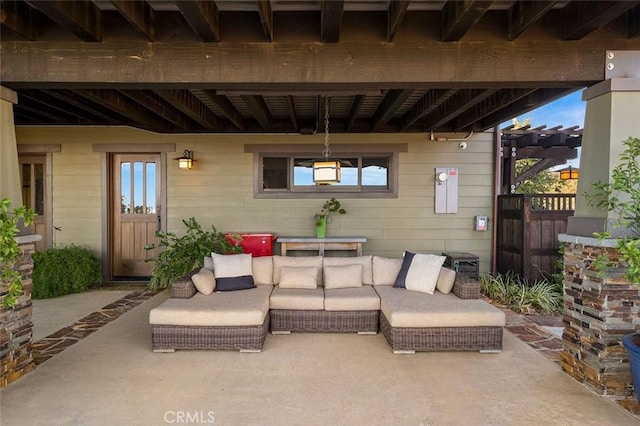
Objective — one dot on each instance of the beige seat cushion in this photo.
(405, 308)
(230, 308)
(362, 298)
(365, 261)
(297, 299)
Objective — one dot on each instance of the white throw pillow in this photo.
(262, 270)
(365, 261)
(231, 265)
(298, 277)
(385, 270)
(281, 261)
(204, 280)
(344, 276)
(423, 272)
(446, 279)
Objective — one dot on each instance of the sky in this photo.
(567, 111)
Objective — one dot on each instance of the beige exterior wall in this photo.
(219, 190)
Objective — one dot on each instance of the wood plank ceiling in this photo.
(387, 104)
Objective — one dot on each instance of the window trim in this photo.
(391, 151)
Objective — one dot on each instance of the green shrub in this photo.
(60, 271)
(519, 295)
(180, 255)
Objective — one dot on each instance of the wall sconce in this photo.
(569, 173)
(186, 161)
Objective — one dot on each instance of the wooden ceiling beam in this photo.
(358, 100)
(458, 17)
(291, 109)
(634, 23)
(558, 152)
(19, 17)
(139, 14)
(209, 65)
(156, 105)
(124, 106)
(522, 14)
(228, 109)
(395, 15)
(53, 104)
(82, 18)
(260, 111)
(331, 20)
(70, 98)
(521, 105)
(498, 101)
(388, 107)
(189, 104)
(455, 106)
(581, 18)
(266, 18)
(203, 17)
(425, 105)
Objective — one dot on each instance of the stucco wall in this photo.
(219, 190)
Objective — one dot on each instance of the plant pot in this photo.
(321, 227)
(631, 343)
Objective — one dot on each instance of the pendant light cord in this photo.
(327, 152)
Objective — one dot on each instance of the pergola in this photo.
(266, 66)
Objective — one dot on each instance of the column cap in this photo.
(612, 85)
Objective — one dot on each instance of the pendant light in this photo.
(326, 171)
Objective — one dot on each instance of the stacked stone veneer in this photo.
(599, 309)
(15, 323)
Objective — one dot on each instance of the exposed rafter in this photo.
(203, 17)
(153, 103)
(395, 15)
(387, 108)
(139, 14)
(353, 112)
(83, 18)
(291, 107)
(190, 105)
(55, 106)
(19, 17)
(523, 14)
(425, 105)
(458, 17)
(462, 101)
(633, 22)
(581, 18)
(227, 108)
(260, 110)
(266, 17)
(69, 98)
(331, 20)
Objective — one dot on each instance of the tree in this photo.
(540, 183)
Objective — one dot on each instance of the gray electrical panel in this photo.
(446, 190)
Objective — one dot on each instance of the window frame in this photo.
(291, 152)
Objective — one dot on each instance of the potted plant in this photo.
(322, 218)
(622, 197)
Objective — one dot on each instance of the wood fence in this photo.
(528, 228)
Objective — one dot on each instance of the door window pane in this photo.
(38, 172)
(138, 187)
(125, 188)
(151, 188)
(26, 185)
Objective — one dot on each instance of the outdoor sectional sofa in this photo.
(325, 294)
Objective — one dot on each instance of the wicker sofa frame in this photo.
(168, 338)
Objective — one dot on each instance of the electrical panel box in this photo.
(481, 223)
(446, 190)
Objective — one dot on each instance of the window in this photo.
(279, 174)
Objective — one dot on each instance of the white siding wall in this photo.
(219, 190)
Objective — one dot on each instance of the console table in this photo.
(321, 244)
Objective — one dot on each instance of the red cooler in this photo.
(256, 244)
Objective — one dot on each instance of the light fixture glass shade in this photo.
(186, 161)
(569, 173)
(326, 172)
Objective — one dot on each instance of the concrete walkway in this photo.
(113, 378)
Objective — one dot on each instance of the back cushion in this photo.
(365, 261)
(262, 270)
(385, 270)
(280, 261)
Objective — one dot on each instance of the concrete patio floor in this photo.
(113, 377)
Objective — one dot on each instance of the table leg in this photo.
(283, 249)
(359, 249)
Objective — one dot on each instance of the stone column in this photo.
(600, 307)
(16, 329)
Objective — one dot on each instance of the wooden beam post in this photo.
(331, 20)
